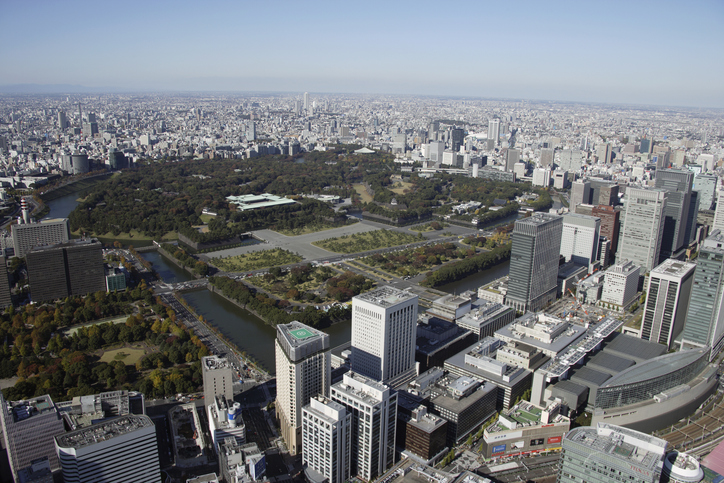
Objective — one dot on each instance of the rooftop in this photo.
(103, 431)
(674, 268)
(386, 296)
(26, 409)
(632, 447)
(213, 363)
(253, 202)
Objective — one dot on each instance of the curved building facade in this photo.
(646, 380)
(658, 392)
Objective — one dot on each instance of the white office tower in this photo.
(384, 328)
(28, 235)
(373, 407)
(306, 101)
(218, 376)
(225, 421)
(719, 213)
(667, 301)
(580, 239)
(494, 130)
(541, 177)
(620, 285)
(303, 365)
(29, 428)
(536, 245)
(326, 440)
(119, 449)
(642, 227)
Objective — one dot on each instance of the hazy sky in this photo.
(654, 52)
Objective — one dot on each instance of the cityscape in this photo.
(358, 267)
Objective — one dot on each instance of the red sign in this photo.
(555, 439)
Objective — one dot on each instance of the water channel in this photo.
(244, 329)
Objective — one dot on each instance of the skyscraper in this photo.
(678, 183)
(642, 227)
(306, 101)
(28, 428)
(384, 325)
(218, 378)
(48, 232)
(457, 136)
(580, 238)
(580, 194)
(667, 301)
(373, 407)
(534, 262)
(705, 318)
(610, 453)
(119, 449)
(512, 157)
(327, 439)
(303, 367)
(62, 120)
(609, 226)
(494, 130)
(705, 184)
(719, 213)
(71, 268)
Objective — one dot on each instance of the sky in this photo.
(633, 52)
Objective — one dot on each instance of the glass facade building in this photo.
(643, 381)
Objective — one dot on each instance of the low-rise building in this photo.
(486, 317)
(525, 429)
(547, 333)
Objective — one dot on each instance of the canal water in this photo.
(248, 332)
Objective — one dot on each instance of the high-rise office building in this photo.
(119, 449)
(705, 184)
(580, 238)
(642, 226)
(384, 328)
(571, 160)
(326, 440)
(610, 453)
(307, 105)
(609, 226)
(678, 183)
(603, 192)
(29, 235)
(547, 156)
(534, 262)
(303, 368)
(667, 301)
(494, 131)
(373, 407)
(580, 194)
(511, 158)
(71, 268)
(603, 153)
(218, 377)
(457, 137)
(62, 120)
(718, 223)
(705, 318)
(29, 428)
(5, 294)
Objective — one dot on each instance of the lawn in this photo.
(360, 189)
(401, 187)
(207, 218)
(127, 355)
(256, 260)
(361, 242)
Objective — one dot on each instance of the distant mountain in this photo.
(51, 89)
